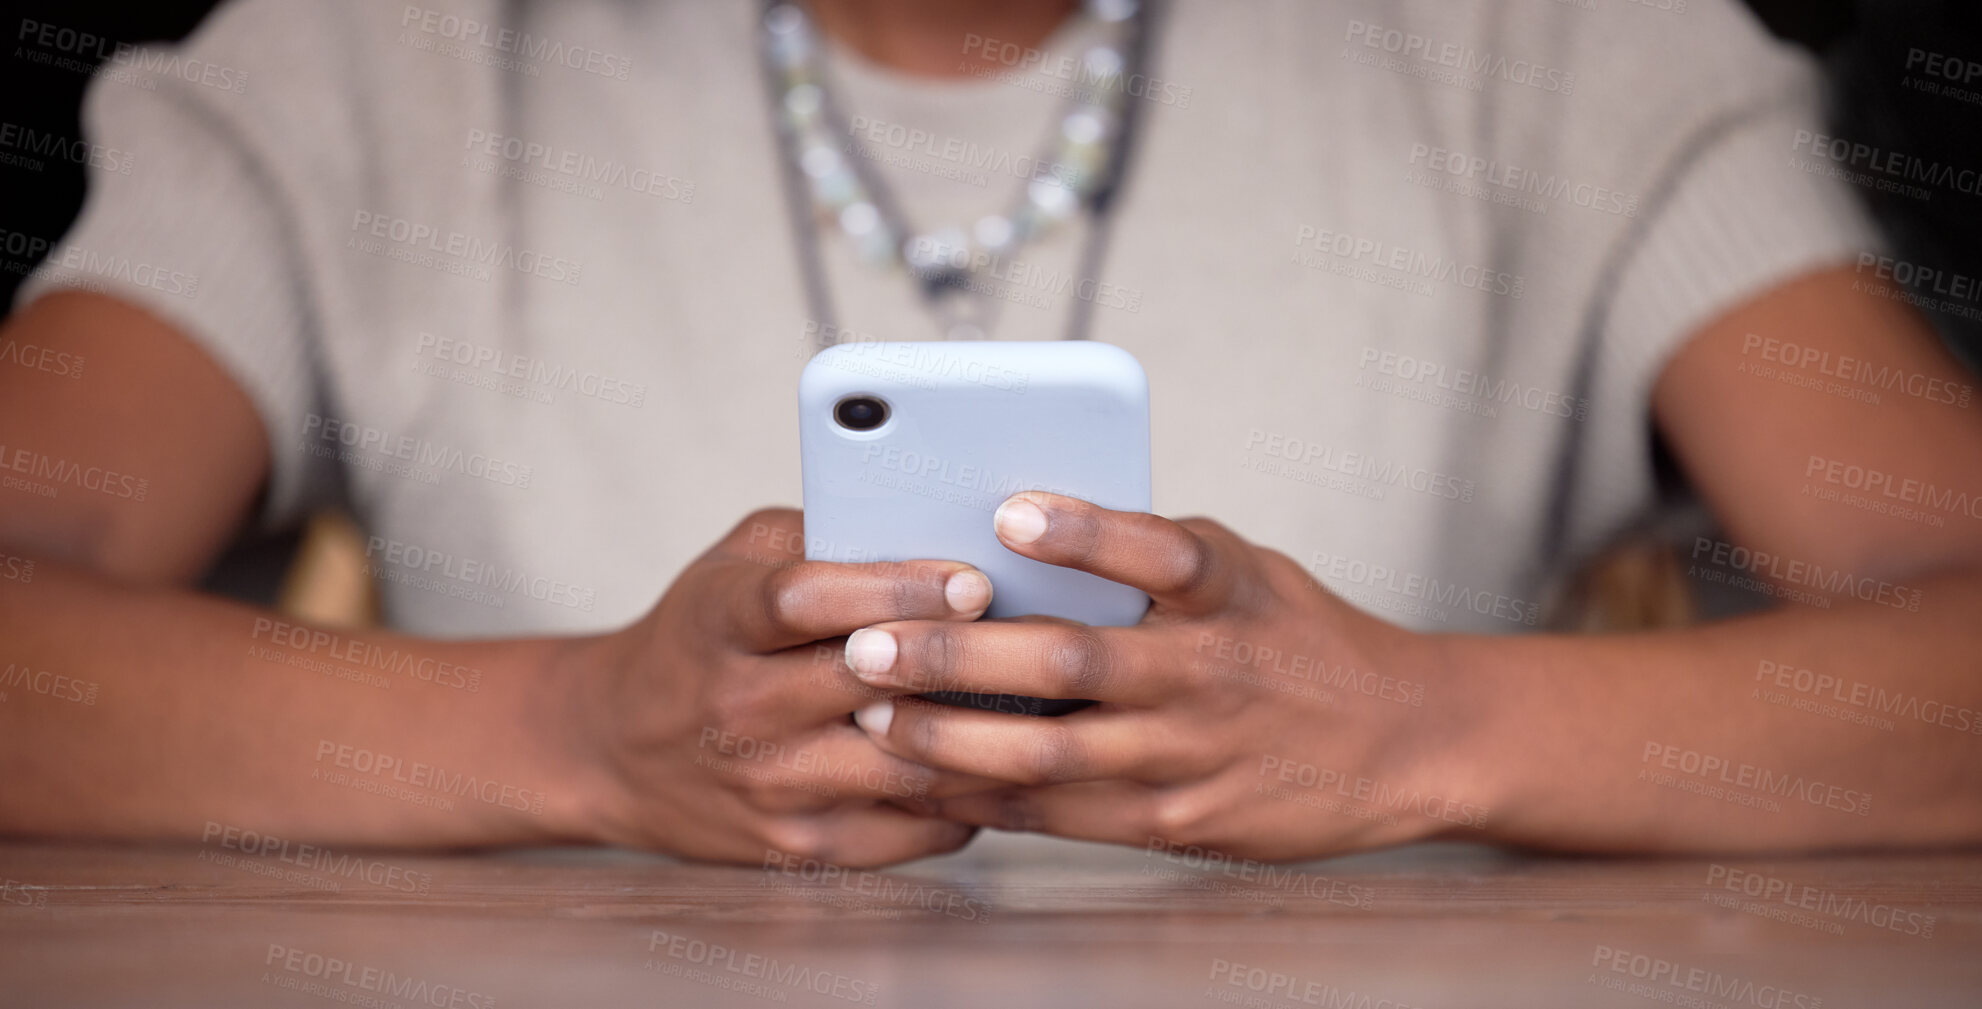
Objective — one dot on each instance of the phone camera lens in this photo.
(861, 413)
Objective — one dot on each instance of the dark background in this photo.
(1863, 44)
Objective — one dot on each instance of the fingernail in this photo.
(1019, 521)
(870, 653)
(967, 591)
(876, 717)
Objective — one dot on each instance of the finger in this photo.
(1118, 812)
(1084, 746)
(858, 837)
(776, 608)
(1177, 567)
(1034, 659)
(830, 767)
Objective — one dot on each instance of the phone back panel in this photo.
(969, 424)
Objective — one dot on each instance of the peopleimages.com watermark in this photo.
(26, 147)
(415, 781)
(1292, 665)
(1742, 784)
(755, 758)
(14, 891)
(418, 459)
(1829, 695)
(1866, 379)
(1938, 73)
(1927, 288)
(1361, 474)
(1896, 495)
(265, 854)
(33, 357)
(1200, 868)
(302, 642)
(1462, 390)
(48, 683)
(1065, 76)
(561, 169)
(711, 963)
(16, 569)
(77, 266)
(1784, 577)
(1808, 906)
(451, 251)
(836, 885)
(353, 983)
(1360, 797)
(502, 48)
(1511, 184)
(44, 475)
(450, 574)
(919, 364)
(520, 376)
(1388, 264)
(955, 158)
(1446, 62)
(1657, 979)
(1253, 987)
(1416, 594)
(1879, 168)
(63, 48)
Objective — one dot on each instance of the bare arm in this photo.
(1853, 719)
(142, 709)
(1847, 719)
(134, 707)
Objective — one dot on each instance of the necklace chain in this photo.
(828, 168)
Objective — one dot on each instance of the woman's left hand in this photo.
(1251, 711)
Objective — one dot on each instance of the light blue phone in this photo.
(908, 448)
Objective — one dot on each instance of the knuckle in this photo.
(1054, 756)
(1175, 817)
(800, 837)
(925, 731)
(1015, 812)
(1078, 532)
(779, 595)
(1196, 565)
(1080, 661)
(732, 708)
(951, 837)
(935, 657)
(908, 590)
(788, 593)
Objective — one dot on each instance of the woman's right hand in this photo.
(721, 717)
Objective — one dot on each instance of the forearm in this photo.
(143, 713)
(1855, 725)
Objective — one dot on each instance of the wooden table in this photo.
(211, 925)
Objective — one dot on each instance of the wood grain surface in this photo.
(1437, 925)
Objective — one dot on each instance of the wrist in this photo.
(1470, 735)
(564, 711)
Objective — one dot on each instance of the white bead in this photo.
(859, 218)
(820, 161)
(784, 19)
(1082, 127)
(1103, 62)
(994, 231)
(804, 100)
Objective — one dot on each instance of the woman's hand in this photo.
(1250, 711)
(719, 722)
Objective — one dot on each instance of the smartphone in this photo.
(908, 449)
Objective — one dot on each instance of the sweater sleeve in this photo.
(195, 225)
